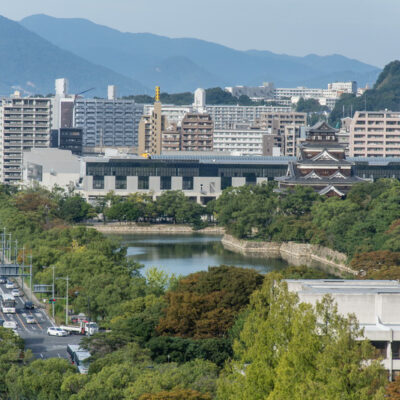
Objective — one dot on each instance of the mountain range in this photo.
(39, 49)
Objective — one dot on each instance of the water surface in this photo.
(185, 254)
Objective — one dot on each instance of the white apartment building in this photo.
(264, 92)
(109, 123)
(244, 140)
(374, 303)
(375, 134)
(25, 123)
(226, 116)
(173, 114)
(344, 87)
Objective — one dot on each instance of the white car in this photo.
(16, 293)
(54, 331)
(30, 319)
(10, 285)
(10, 325)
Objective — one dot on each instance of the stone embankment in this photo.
(293, 253)
(128, 228)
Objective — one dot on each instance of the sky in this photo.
(366, 30)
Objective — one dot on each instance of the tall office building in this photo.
(108, 123)
(25, 124)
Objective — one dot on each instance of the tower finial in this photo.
(157, 98)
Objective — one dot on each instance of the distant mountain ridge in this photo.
(31, 63)
(185, 64)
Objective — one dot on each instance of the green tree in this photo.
(291, 350)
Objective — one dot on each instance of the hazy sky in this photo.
(367, 30)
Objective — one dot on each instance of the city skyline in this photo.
(342, 27)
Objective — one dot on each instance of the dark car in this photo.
(29, 305)
(3, 279)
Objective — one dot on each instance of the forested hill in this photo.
(384, 94)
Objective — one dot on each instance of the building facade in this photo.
(68, 139)
(374, 303)
(197, 131)
(264, 92)
(25, 124)
(245, 140)
(109, 123)
(375, 134)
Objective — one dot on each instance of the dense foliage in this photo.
(171, 207)
(296, 351)
(368, 220)
(384, 95)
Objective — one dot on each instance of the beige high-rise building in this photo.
(375, 134)
(197, 132)
(150, 131)
(277, 123)
(25, 124)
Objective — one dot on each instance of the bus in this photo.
(8, 304)
(79, 357)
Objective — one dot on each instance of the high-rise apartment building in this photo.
(293, 134)
(25, 124)
(226, 116)
(197, 132)
(150, 131)
(244, 140)
(109, 123)
(277, 122)
(375, 134)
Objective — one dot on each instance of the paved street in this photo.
(35, 335)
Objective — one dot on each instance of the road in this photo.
(35, 335)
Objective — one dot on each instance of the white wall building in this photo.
(199, 105)
(264, 92)
(376, 305)
(243, 140)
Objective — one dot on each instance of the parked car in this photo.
(16, 293)
(55, 331)
(29, 305)
(10, 285)
(10, 324)
(30, 319)
(3, 279)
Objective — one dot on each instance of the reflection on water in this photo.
(185, 254)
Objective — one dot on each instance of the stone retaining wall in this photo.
(127, 228)
(293, 253)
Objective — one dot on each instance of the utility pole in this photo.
(52, 303)
(66, 306)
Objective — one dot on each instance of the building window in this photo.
(120, 182)
(98, 182)
(251, 179)
(143, 182)
(226, 181)
(165, 183)
(187, 183)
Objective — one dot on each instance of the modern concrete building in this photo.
(343, 87)
(25, 124)
(106, 122)
(225, 116)
(277, 122)
(150, 131)
(68, 139)
(293, 135)
(375, 305)
(197, 132)
(244, 139)
(200, 176)
(173, 114)
(199, 104)
(375, 134)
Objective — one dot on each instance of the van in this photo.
(10, 324)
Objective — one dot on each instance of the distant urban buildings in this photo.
(25, 124)
(375, 134)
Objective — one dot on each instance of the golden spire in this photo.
(157, 98)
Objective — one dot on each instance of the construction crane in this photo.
(85, 91)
